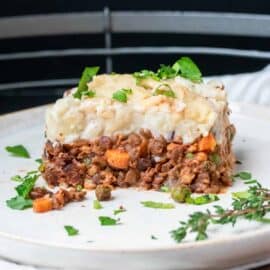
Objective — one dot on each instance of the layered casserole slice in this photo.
(146, 130)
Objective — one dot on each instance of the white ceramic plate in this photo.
(40, 239)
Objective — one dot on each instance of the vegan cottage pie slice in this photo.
(146, 129)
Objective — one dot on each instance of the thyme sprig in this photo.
(252, 204)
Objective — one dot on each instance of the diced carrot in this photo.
(42, 205)
(117, 158)
(201, 156)
(207, 143)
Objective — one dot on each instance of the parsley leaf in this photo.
(22, 201)
(187, 69)
(157, 205)
(27, 185)
(204, 199)
(108, 221)
(165, 90)
(121, 95)
(87, 75)
(71, 231)
(119, 210)
(17, 178)
(184, 67)
(18, 151)
(19, 203)
(97, 205)
(166, 72)
(144, 74)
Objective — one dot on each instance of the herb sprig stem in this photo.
(252, 204)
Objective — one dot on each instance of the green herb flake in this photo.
(27, 185)
(97, 205)
(165, 188)
(121, 95)
(87, 75)
(121, 209)
(22, 201)
(108, 221)
(158, 205)
(215, 158)
(71, 231)
(204, 199)
(144, 74)
(189, 155)
(166, 72)
(187, 69)
(18, 151)
(17, 178)
(165, 90)
(154, 237)
(19, 203)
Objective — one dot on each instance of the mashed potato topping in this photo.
(196, 109)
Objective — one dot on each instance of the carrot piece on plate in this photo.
(42, 205)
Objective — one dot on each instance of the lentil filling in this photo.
(141, 160)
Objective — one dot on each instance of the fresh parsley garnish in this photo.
(183, 67)
(204, 199)
(108, 221)
(17, 178)
(87, 75)
(165, 90)
(22, 201)
(97, 205)
(186, 68)
(27, 185)
(71, 231)
(166, 72)
(18, 151)
(122, 95)
(158, 205)
(19, 203)
(121, 209)
(144, 74)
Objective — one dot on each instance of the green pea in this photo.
(180, 193)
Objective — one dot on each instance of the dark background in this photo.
(71, 67)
